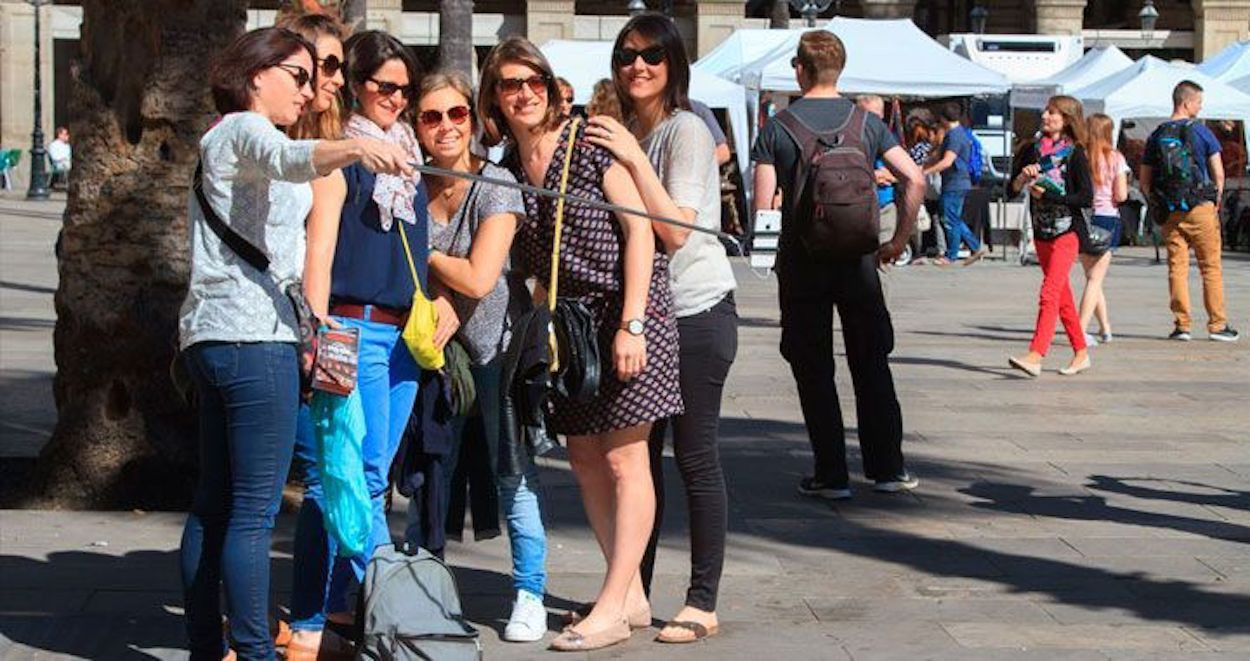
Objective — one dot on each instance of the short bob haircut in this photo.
(366, 52)
(440, 80)
(513, 50)
(250, 54)
(329, 124)
(660, 31)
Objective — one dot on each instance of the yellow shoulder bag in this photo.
(422, 317)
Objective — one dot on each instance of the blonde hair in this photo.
(605, 101)
(1099, 147)
(513, 50)
(328, 124)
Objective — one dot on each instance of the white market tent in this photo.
(584, 63)
(889, 57)
(1242, 84)
(1144, 91)
(742, 48)
(1095, 65)
(1229, 64)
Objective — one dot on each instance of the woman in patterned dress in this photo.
(610, 263)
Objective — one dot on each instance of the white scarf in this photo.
(393, 194)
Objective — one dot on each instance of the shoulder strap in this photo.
(806, 138)
(241, 246)
(412, 267)
(555, 243)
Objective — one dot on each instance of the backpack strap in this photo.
(808, 139)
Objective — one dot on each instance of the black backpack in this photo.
(835, 197)
(1178, 179)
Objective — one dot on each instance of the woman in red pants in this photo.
(1055, 170)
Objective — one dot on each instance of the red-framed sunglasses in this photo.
(457, 115)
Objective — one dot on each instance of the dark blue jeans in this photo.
(248, 397)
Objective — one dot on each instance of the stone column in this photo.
(385, 15)
(1060, 16)
(888, 8)
(1218, 23)
(17, 80)
(549, 19)
(715, 20)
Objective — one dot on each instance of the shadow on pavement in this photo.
(1131, 486)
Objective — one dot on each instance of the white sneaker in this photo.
(528, 622)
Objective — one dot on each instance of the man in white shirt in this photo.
(61, 155)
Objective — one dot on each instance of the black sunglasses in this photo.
(652, 55)
(300, 74)
(388, 88)
(331, 64)
(537, 84)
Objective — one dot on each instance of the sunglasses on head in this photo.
(652, 55)
(300, 74)
(457, 115)
(537, 84)
(387, 88)
(331, 64)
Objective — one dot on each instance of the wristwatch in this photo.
(633, 326)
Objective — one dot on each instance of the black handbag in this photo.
(574, 336)
(306, 322)
(1095, 239)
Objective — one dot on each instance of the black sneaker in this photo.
(1180, 335)
(810, 486)
(902, 482)
(1225, 335)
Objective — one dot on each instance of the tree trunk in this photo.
(455, 36)
(779, 16)
(124, 436)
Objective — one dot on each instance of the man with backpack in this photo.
(820, 152)
(960, 163)
(1183, 176)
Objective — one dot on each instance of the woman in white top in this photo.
(672, 158)
(238, 329)
(1110, 176)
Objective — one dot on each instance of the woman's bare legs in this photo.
(614, 473)
(1093, 301)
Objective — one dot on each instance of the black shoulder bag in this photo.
(306, 321)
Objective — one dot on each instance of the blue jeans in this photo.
(957, 230)
(518, 494)
(248, 394)
(387, 379)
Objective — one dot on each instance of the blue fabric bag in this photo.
(339, 424)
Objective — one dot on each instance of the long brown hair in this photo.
(661, 31)
(327, 125)
(513, 50)
(1100, 147)
(1073, 114)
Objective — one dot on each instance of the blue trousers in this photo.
(248, 394)
(957, 230)
(387, 379)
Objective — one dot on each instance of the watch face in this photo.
(635, 327)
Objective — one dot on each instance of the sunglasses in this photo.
(652, 55)
(388, 89)
(300, 74)
(331, 65)
(457, 115)
(537, 84)
(568, 99)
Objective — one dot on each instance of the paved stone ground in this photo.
(1105, 516)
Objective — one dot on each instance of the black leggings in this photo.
(708, 344)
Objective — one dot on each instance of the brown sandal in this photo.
(700, 632)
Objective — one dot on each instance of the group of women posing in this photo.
(1075, 179)
(310, 163)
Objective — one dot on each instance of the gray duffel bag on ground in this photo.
(411, 610)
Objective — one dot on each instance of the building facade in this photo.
(1194, 29)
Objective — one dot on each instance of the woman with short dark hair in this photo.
(671, 156)
(238, 330)
(358, 275)
(610, 264)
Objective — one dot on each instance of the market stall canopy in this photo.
(1096, 64)
(1144, 91)
(888, 57)
(742, 48)
(584, 63)
(1229, 64)
(1242, 84)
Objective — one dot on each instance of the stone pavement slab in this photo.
(1105, 516)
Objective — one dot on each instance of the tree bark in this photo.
(124, 436)
(779, 16)
(455, 36)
